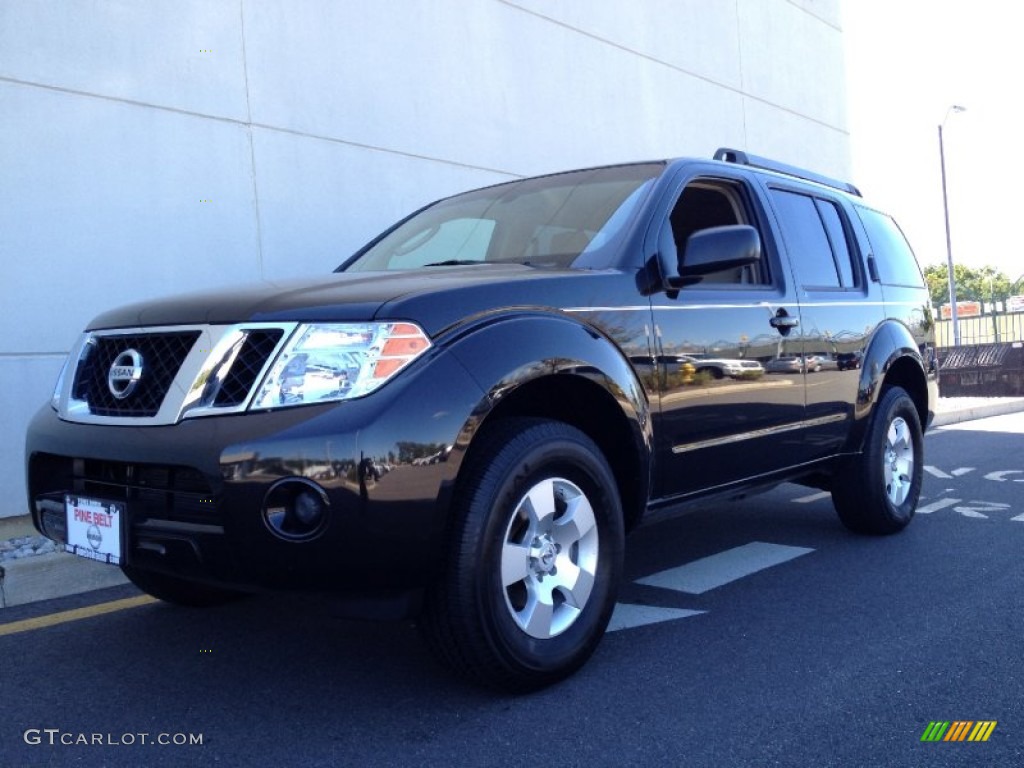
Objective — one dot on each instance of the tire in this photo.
(534, 559)
(178, 591)
(877, 491)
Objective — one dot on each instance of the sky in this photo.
(907, 62)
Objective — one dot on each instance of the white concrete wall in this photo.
(152, 147)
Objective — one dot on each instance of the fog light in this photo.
(295, 509)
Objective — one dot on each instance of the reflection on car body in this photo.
(785, 364)
(847, 361)
(721, 367)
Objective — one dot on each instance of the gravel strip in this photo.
(25, 546)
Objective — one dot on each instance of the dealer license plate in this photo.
(94, 528)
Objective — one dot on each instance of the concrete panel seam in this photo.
(739, 61)
(264, 126)
(673, 67)
(252, 149)
(815, 16)
(398, 152)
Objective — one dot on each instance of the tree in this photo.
(983, 284)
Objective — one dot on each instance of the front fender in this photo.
(506, 354)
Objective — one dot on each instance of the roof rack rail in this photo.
(739, 157)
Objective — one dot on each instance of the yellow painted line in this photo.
(77, 614)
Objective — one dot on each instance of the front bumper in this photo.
(194, 491)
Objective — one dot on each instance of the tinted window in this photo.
(893, 258)
(808, 245)
(837, 238)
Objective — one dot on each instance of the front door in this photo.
(729, 409)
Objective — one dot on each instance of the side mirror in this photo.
(715, 249)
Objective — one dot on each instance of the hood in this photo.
(434, 297)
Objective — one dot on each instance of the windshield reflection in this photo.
(569, 219)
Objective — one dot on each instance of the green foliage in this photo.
(971, 284)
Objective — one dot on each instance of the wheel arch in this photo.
(892, 358)
(556, 368)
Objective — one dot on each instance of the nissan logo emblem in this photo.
(94, 537)
(125, 374)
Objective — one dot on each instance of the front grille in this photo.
(162, 356)
(259, 344)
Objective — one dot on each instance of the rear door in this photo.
(840, 305)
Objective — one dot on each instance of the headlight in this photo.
(338, 361)
(58, 388)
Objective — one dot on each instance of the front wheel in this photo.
(877, 491)
(534, 559)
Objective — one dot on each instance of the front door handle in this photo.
(784, 322)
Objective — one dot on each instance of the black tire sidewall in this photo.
(860, 496)
(573, 457)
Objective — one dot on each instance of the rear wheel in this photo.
(178, 591)
(877, 492)
(534, 561)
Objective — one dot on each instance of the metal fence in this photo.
(987, 329)
(982, 370)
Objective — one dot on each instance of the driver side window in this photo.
(709, 203)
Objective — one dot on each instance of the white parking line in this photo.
(627, 615)
(935, 506)
(714, 571)
(812, 497)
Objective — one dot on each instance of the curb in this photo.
(977, 412)
(56, 574)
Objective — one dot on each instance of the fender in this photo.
(890, 343)
(507, 351)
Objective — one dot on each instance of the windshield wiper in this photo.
(454, 263)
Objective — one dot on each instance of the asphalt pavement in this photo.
(40, 573)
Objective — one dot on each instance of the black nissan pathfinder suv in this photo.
(463, 421)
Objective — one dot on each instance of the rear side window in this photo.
(893, 257)
(816, 240)
(837, 239)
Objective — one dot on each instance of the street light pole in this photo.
(949, 242)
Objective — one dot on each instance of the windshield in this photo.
(549, 221)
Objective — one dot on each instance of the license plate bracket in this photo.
(94, 528)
